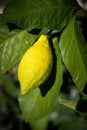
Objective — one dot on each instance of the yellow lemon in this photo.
(36, 65)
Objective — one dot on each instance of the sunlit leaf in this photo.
(74, 53)
(12, 46)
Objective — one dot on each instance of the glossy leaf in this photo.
(29, 14)
(74, 53)
(39, 102)
(12, 46)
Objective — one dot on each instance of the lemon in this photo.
(36, 65)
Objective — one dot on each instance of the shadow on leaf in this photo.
(44, 88)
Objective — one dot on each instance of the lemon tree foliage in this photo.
(74, 51)
(21, 25)
(13, 44)
(28, 14)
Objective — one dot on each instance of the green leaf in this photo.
(3, 31)
(68, 103)
(76, 105)
(12, 46)
(29, 14)
(40, 124)
(74, 53)
(39, 102)
(8, 85)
